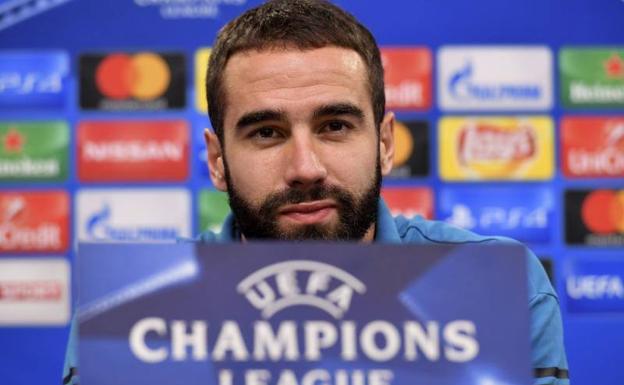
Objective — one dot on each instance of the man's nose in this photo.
(305, 167)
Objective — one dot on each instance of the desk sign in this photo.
(302, 314)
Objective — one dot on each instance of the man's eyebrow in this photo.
(339, 109)
(256, 117)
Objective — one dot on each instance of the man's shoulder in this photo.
(420, 230)
(423, 231)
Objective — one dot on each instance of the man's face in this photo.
(302, 158)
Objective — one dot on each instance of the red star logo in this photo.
(614, 66)
(13, 141)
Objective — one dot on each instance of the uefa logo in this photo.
(326, 287)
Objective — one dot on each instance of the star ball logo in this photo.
(132, 81)
(595, 217)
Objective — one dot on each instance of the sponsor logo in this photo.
(133, 215)
(34, 291)
(592, 146)
(257, 288)
(523, 214)
(213, 208)
(33, 80)
(36, 151)
(594, 285)
(133, 151)
(592, 77)
(188, 9)
(496, 148)
(495, 78)
(411, 156)
(407, 74)
(30, 291)
(409, 201)
(34, 221)
(132, 81)
(595, 217)
(202, 56)
(303, 283)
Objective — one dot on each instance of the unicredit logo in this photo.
(295, 283)
(607, 160)
(17, 234)
(142, 76)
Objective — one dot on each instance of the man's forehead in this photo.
(294, 73)
(280, 58)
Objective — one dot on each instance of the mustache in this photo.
(294, 196)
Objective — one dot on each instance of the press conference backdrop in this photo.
(510, 122)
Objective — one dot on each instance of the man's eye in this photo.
(335, 126)
(265, 132)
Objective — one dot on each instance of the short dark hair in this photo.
(300, 24)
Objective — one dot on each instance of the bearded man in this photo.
(302, 140)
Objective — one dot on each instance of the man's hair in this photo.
(287, 24)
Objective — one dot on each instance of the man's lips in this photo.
(308, 212)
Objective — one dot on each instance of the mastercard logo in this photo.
(142, 76)
(403, 144)
(602, 212)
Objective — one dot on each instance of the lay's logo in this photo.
(497, 148)
(490, 143)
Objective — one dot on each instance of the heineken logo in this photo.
(13, 141)
(592, 77)
(34, 151)
(614, 66)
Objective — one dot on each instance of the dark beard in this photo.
(355, 214)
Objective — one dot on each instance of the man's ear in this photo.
(215, 160)
(386, 143)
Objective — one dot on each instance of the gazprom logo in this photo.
(462, 87)
(99, 227)
(490, 77)
(300, 282)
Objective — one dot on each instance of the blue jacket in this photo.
(547, 350)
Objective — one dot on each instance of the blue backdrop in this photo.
(595, 340)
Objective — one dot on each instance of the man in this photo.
(302, 140)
